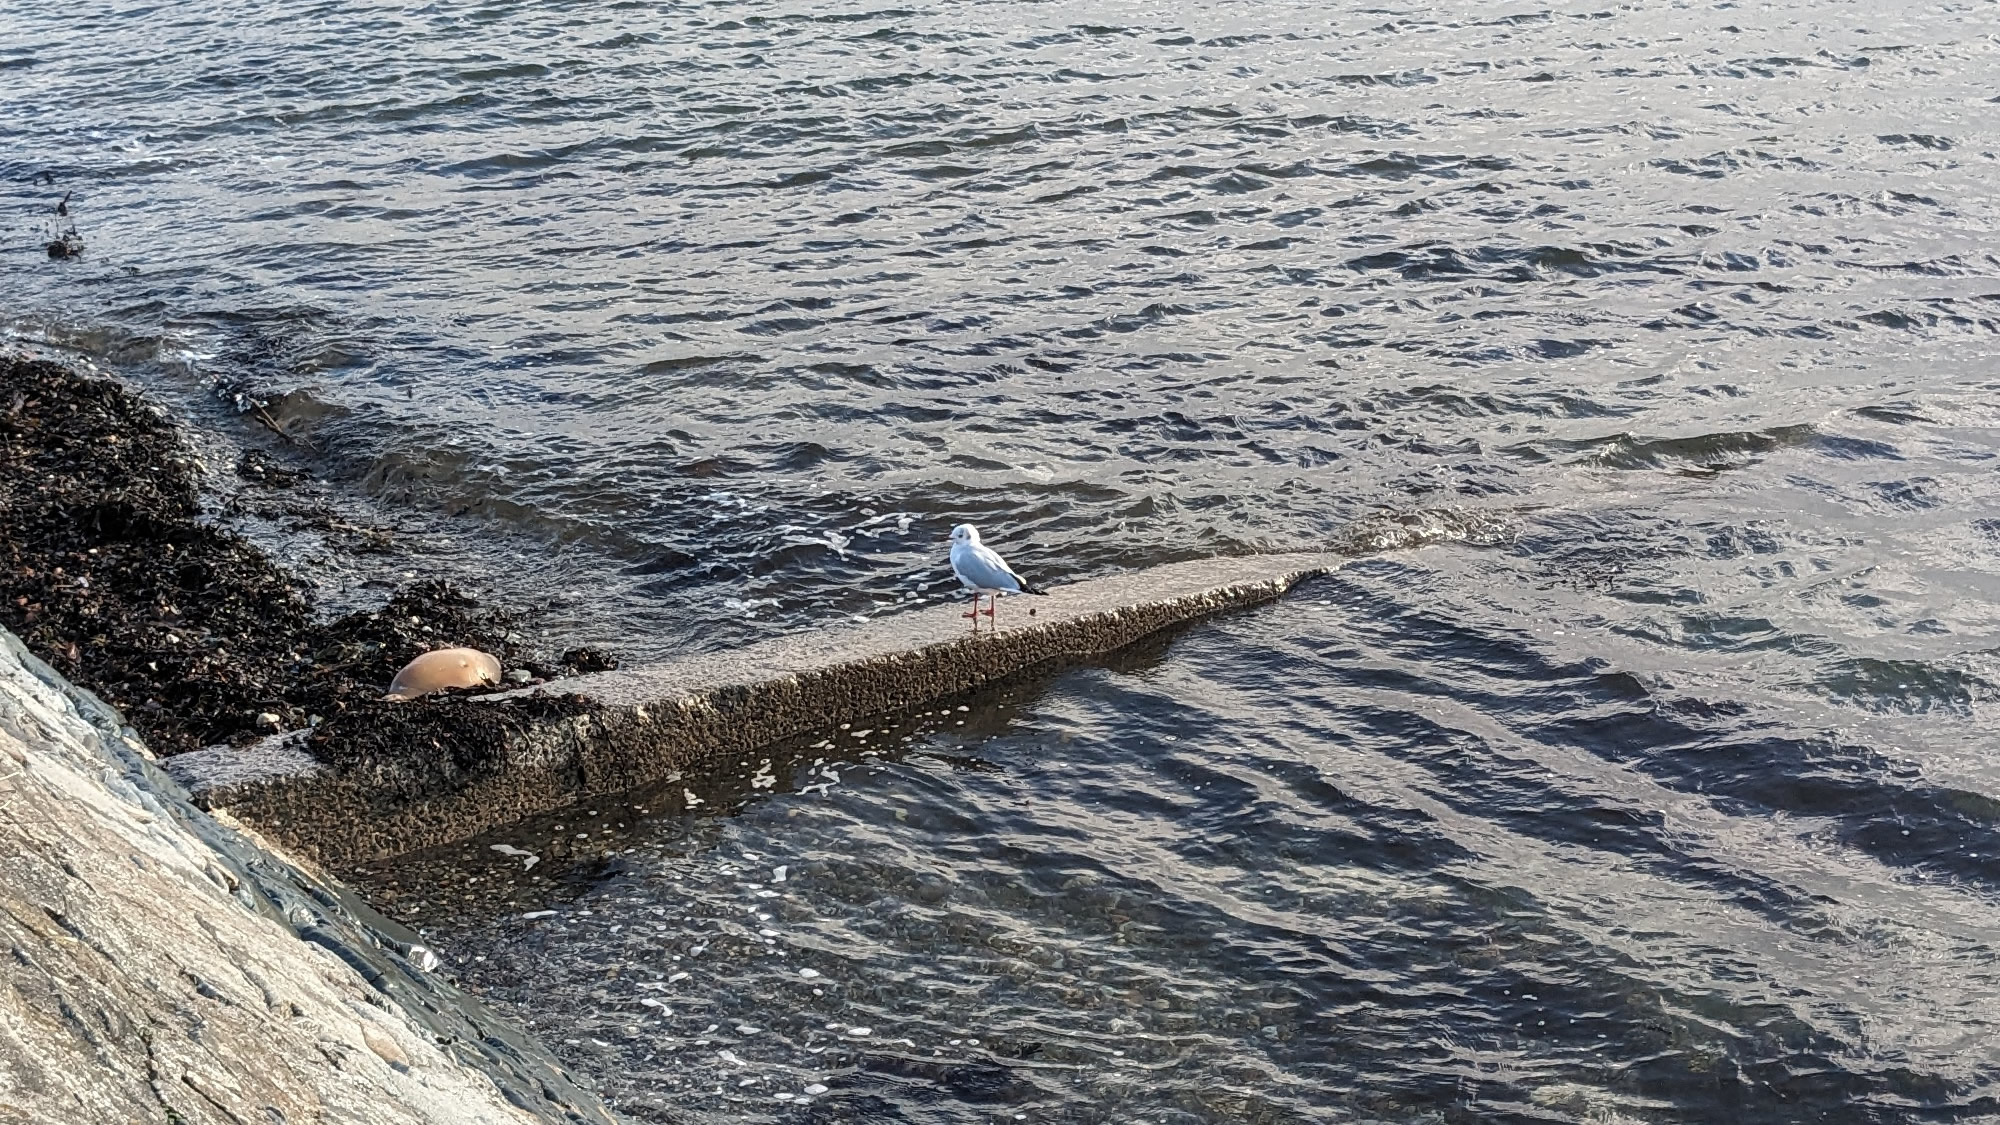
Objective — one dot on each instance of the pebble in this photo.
(387, 1049)
(509, 849)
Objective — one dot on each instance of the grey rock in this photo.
(165, 968)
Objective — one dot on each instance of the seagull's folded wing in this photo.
(989, 570)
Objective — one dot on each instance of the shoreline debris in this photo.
(444, 668)
(63, 242)
(114, 572)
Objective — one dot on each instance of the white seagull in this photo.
(983, 571)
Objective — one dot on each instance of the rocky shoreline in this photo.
(168, 967)
(114, 570)
(270, 717)
(169, 964)
(268, 710)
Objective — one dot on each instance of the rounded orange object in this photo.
(444, 668)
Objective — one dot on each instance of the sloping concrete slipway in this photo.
(162, 967)
(625, 728)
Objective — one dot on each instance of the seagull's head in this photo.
(965, 533)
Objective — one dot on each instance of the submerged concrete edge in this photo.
(648, 723)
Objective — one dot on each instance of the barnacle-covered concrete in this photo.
(547, 747)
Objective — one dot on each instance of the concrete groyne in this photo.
(448, 773)
(164, 967)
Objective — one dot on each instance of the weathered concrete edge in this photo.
(323, 913)
(651, 723)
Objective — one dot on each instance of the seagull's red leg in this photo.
(974, 615)
(995, 605)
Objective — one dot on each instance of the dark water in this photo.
(1659, 787)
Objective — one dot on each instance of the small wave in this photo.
(1704, 453)
(1901, 686)
(1404, 531)
(1897, 415)
(103, 343)
(1398, 79)
(675, 364)
(1920, 140)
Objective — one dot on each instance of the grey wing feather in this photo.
(985, 569)
(981, 569)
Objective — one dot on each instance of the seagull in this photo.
(983, 572)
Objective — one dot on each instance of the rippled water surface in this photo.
(1658, 786)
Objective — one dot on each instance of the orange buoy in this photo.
(444, 668)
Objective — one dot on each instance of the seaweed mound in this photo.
(110, 572)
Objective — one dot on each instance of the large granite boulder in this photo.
(160, 968)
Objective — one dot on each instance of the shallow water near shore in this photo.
(1658, 785)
